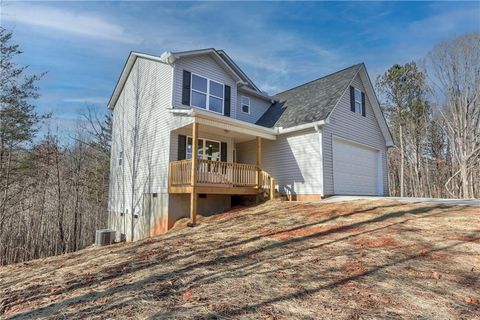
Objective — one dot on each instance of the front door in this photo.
(207, 149)
(212, 150)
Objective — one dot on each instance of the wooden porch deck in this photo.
(217, 177)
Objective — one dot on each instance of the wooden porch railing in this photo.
(180, 172)
(220, 173)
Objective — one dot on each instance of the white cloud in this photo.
(94, 100)
(66, 21)
(446, 22)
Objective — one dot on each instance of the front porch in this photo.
(217, 177)
(214, 170)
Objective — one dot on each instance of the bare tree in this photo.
(456, 73)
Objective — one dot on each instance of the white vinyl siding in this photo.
(204, 66)
(294, 160)
(257, 108)
(150, 81)
(352, 126)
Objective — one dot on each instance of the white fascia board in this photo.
(256, 94)
(256, 129)
(132, 57)
(314, 125)
(372, 97)
(222, 53)
(227, 123)
(170, 57)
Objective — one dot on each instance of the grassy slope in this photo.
(278, 260)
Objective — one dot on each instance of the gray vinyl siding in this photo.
(294, 160)
(203, 66)
(257, 108)
(352, 126)
(147, 95)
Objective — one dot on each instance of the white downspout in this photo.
(320, 151)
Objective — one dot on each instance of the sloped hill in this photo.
(278, 260)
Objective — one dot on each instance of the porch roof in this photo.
(225, 126)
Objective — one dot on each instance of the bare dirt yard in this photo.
(279, 260)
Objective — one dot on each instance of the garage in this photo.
(356, 168)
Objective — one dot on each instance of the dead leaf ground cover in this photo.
(278, 260)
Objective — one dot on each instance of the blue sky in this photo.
(83, 45)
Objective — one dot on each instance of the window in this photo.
(207, 94)
(207, 149)
(120, 158)
(199, 91)
(358, 101)
(245, 104)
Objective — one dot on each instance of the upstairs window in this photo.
(199, 91)
(207, 94)
(358, 101)
(245, 104)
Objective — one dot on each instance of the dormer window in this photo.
(357, 101)
(207, 94)
(245, 104)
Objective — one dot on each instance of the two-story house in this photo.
(325, 137)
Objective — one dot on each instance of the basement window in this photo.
(120, 158)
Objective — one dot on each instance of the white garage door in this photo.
(355, 169)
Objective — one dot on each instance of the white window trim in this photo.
(204, 141)
(208, 94)
(242, 104)
(355, 101)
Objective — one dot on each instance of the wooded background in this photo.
(53, 194)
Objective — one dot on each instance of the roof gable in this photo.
(170, 57)
(132, 57)
(370, 92)
(317, 99)
(309, 102)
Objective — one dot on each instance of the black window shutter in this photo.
(182, 147)
(352, 98)
(223, 154)
(226, 102)
(186, 87)
(363, 105)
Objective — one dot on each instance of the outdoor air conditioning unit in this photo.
(104, 237)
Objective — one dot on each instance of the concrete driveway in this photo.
(461, 202)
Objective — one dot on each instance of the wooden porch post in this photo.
(272, 188)
(193, 194)
(259, 160)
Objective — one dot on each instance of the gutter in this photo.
(273, 131)
(315, 125)
(221, 118)
(254, 93)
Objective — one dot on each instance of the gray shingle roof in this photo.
(310, 102)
